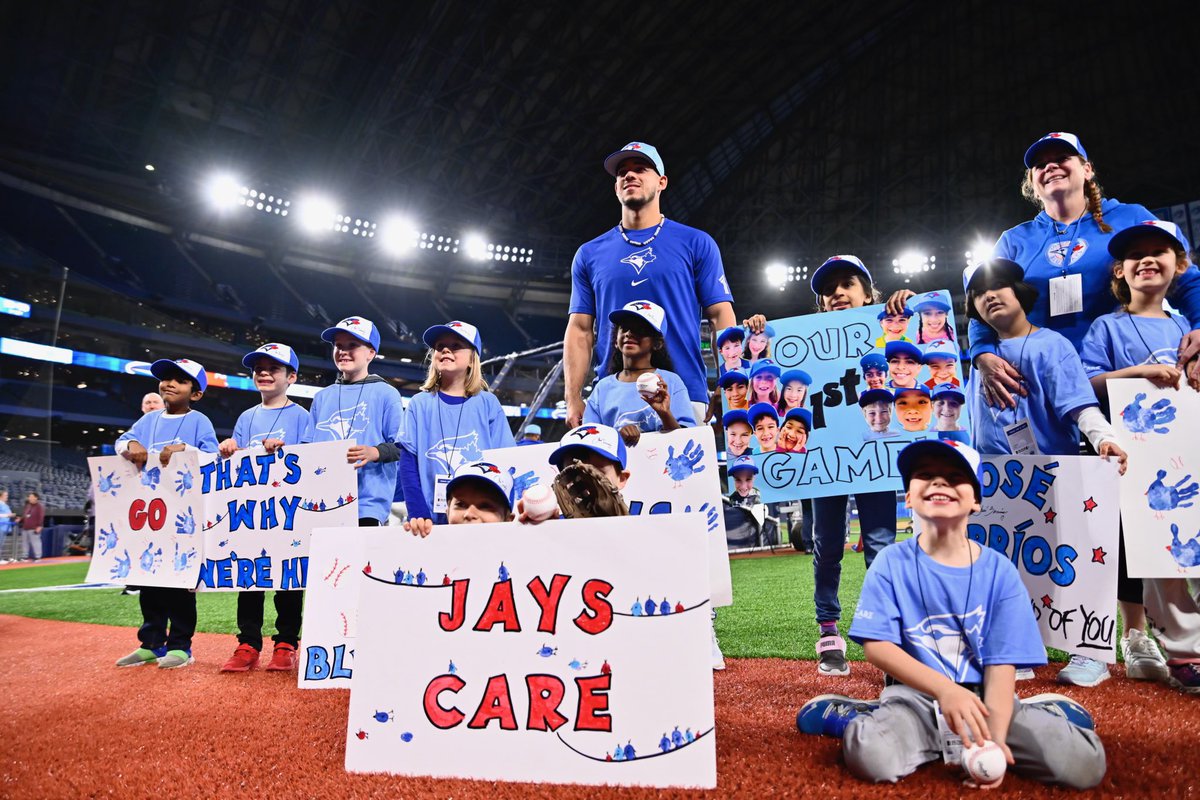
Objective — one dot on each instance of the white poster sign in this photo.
(539, 660)
(1159, 507)
(1055, 517)
(336, 557)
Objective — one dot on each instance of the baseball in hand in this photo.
(985, 763)
(647, 384)
(540, 502)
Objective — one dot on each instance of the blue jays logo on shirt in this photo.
(643, 419)
(346, 423)
(639, 259)
(454, 451)
(945, 637)
(278, 433)
(1056, 251)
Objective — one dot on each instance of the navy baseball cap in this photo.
(950, 451)
(948, 390)
(360, 328)
(276, 352)
(646, 152)
(733, 332)
(875, 396)
(743, 463)
(760, 410)
(735, 415)
(165, 368)
(795, 375)
(486, 473)
(802, 414)
(463, 330)
(893, 349)
(1050, 139)
(763, 365)
(596, 437)
(873, 361)
(731, 377)
(836, 262)
(1001, 267)
(1121, 239)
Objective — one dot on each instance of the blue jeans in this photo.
(876, 518)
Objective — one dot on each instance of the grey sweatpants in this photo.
(902, 734)
(31, 540)
(1173, 610)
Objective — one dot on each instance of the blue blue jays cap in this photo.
(360, 328)
(875, 396)
(733, 332)
(165, 367)
(948, 391)
(795, 375)
(533, 427)
(276, 352)
(1118, 244)
(802, 414)
(485, 473)
(596, 437)
(948, 451)
(896, 349)
(763, 365)
(920, 388)
(760, 410)
(646, 152)
(735, 415)
(1051, 139)
(906, 312)
(1009, 271)
(463, 330)
(731, 377)
(743, 464)
(930, 301)
(838, 262)
(873, 361)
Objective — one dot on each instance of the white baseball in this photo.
(647, 384)
(985, 763)
(540, 502)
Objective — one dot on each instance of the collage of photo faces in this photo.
(911, 382)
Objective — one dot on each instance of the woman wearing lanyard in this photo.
(1064, 252)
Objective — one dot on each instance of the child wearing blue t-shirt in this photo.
(639, 348)
(271, 424)
(450, 422)
(169, 430)
(1141, 341)
(948, 622)
(365, 408)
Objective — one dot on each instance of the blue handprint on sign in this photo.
(151, 560)
(183, 560)
(107, 539)
(1148, 420)
(183, 481)
(521, 482)
(683, 466)
(108, 484)
(1186, 554)
(120, 567)
(1162, 497)
(185, 523)
(151, 478)
(710, 515)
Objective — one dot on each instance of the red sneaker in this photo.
(283, 659)
(244, 659)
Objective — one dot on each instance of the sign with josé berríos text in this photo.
(1055, 518)
(575, 651)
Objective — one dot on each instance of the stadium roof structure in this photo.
(789, 131)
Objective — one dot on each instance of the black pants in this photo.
(163, 606)
(288, 608)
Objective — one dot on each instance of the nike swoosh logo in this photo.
(638, 283)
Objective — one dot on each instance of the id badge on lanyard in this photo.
(439, 494)
(1066, 291)
(951, 742)
(1020, 438)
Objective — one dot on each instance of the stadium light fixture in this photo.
(475, 247)
(776, 274)
(398, 236)
(316, 214)
(911, 262)
(149, 168)
(224, 191)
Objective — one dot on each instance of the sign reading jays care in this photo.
(1055, 518)
(824, 402)
(575, 651)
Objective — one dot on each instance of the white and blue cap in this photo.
(483, 472)
(732, 332)
(1120, 240)
(743, 464)
(598, 438)
(949, 450)
(276, 352)
(760, 410)
(360, 328)
(763, 365)
(795, 375)
(463, 330)
(735, 415)
(875, 396)
(895, 349)
(946, 391)
(646, 152)
(802, 414)
(652, 314)
(1010, 271)
(942, 349)
(1058, 137)
(873, 361)
(838, 262)
(165, 367)
(930, 301)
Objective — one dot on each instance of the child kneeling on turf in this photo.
(949, 622)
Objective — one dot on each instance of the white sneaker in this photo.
(718, 658)
(1143, 661)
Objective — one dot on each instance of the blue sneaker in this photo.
(829, 714)
(1084, 671)
(1065, 707)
